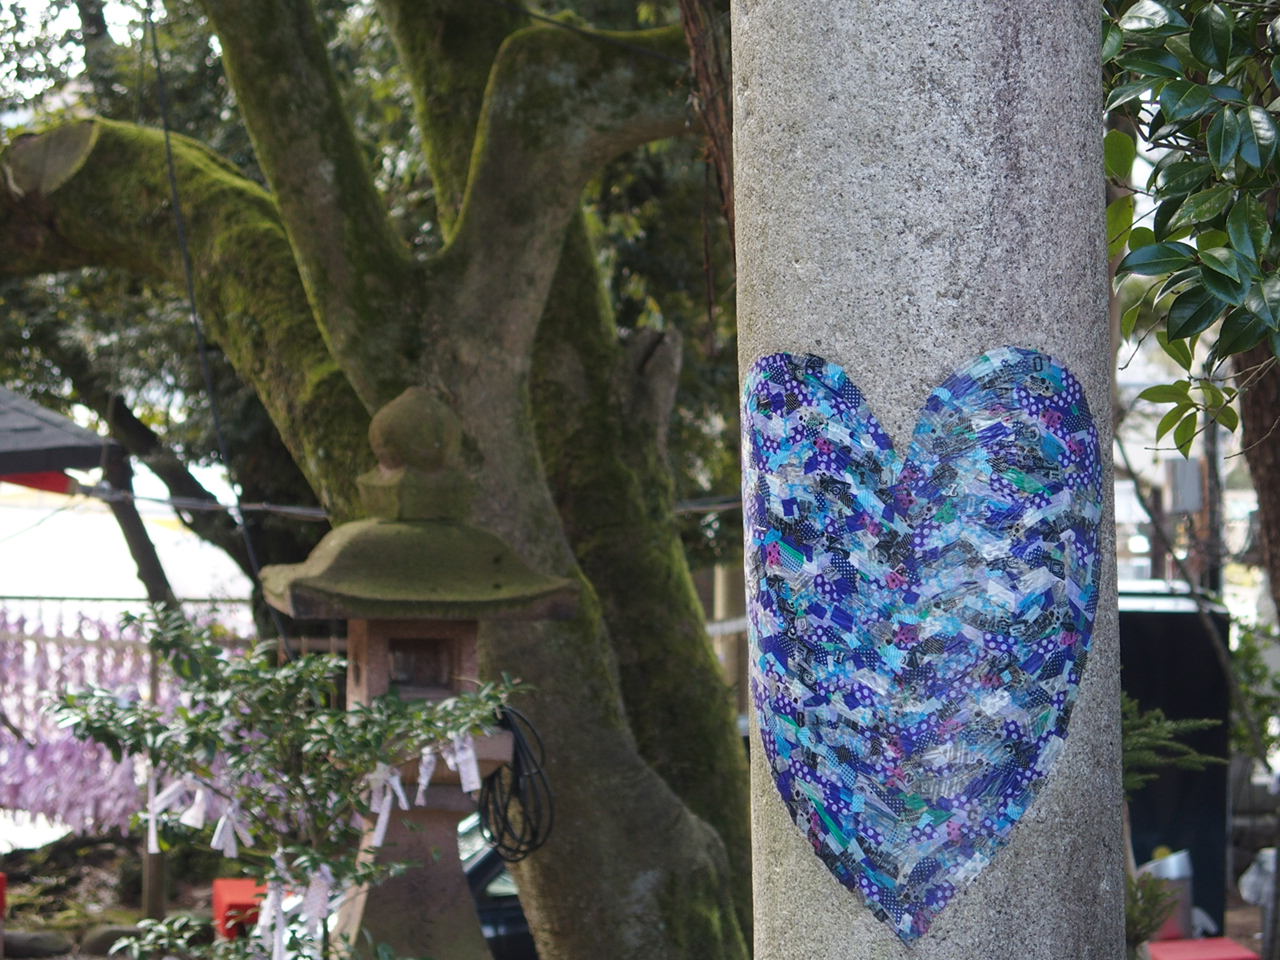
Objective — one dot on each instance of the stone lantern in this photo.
(413, 581)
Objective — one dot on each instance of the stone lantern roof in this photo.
(416, 556)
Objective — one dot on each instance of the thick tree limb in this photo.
(559, 105)
(447, 48)
(352, 264)
(103, 200)
(98, 45)
(602, 411)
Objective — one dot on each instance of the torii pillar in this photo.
(919, 182)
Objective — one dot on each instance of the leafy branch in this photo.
(1152, 742)
(291, 772)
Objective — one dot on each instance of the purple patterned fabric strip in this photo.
(918, 628)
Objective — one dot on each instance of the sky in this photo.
(58, 546)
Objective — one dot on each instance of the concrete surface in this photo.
(919, 181)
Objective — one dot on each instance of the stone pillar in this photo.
(428, 910)
(919, 182)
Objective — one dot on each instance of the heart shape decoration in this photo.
(918, 628)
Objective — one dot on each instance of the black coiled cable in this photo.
(517, 808)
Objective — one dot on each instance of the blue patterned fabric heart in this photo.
(918, 628)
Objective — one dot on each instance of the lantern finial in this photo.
(418, 442)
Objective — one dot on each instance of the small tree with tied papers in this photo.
(259, 761)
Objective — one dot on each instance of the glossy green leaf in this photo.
(1210, 238)
(1129, 320)
(1119, 220)
(1257, 137)
(1203, 206)
(1168, 392)
(1223, 138)
(1178, 281)
(1178, 43)
(1119, 151)
(1239, 332)
(1226, 289)
(1112, 40)
(1182, 177)
(1149, 16)
(1167, 131)
(1178, 350)
(1185, 433)
(1228, 417)
(1141, 237)
(1182, 100)
(1165, 212)
(1226, 93)
(1193, 312)
(1248, 228)
(1157, 258)
(1211, 36)
(1126, 93)
(1263, 301)
(1175, 414)
(1223, 261)
(1152, 62)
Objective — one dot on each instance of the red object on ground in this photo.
(1210, 948)
(55, 481)
(235, 905)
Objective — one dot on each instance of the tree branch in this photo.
(94, 391)
(98, 45)
(95, 193)
(560, 104)
(353, 266)
(150, 570)
(447, 48)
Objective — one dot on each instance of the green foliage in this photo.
(1193, 86)
(662, 240)
(1148, 902)
(1259, 686)
(272, 739)
(1150, 742)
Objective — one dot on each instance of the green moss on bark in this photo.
(447, 48)
(116, 211)
(353, 266)
(614, 492)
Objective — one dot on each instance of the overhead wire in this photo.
(110, 494)
(69, 505)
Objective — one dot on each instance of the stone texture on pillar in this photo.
(919, 182)
(425, 912)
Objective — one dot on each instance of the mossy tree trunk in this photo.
(322, 310)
